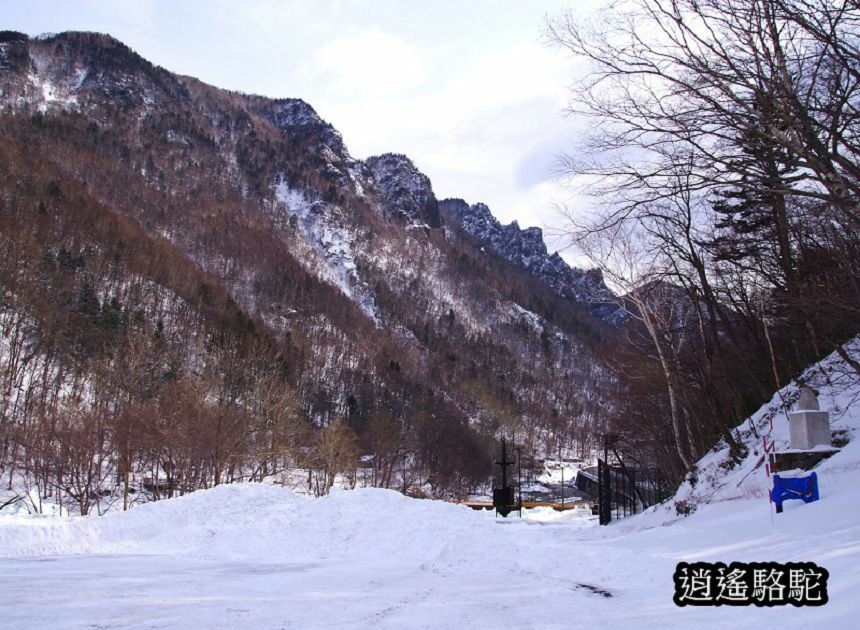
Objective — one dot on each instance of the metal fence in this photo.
(623, 490)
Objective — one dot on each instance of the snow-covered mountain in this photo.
(526, 249)
(231, 240)
(404, 189)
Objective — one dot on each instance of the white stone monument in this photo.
(808, 425)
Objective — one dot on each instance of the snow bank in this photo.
(243, 520)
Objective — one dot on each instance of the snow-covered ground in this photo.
(258, 556)
(254, 556)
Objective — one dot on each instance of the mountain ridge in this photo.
(233, 241)
(526, 249)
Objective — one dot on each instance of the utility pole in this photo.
(520, 480)
(503, 498)
(562, 484)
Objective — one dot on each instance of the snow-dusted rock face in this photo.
(331, 242)
(296, 117)
(526, 249)
(76, 71)
(404, 189)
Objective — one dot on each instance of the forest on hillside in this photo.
(724, 152)
(197, 290)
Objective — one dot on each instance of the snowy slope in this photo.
(839, 393)
(253, 556)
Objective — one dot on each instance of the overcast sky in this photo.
(468, 90)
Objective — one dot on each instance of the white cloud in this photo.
(368, 67)
(476, 114)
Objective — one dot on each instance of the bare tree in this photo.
(278, 424)
(638, 269)
(689, 79)
(724, 151)
(334, 451)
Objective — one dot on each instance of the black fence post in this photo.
(604, 493)
(503, 498)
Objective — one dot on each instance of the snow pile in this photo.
(561, 471)
(242, 521)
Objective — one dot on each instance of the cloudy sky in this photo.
(468, 90)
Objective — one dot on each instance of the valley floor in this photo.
(262, 557)
(253, 556)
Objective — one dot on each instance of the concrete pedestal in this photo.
(808, 429)
(784, 461)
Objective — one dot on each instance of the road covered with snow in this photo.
(255, 556)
